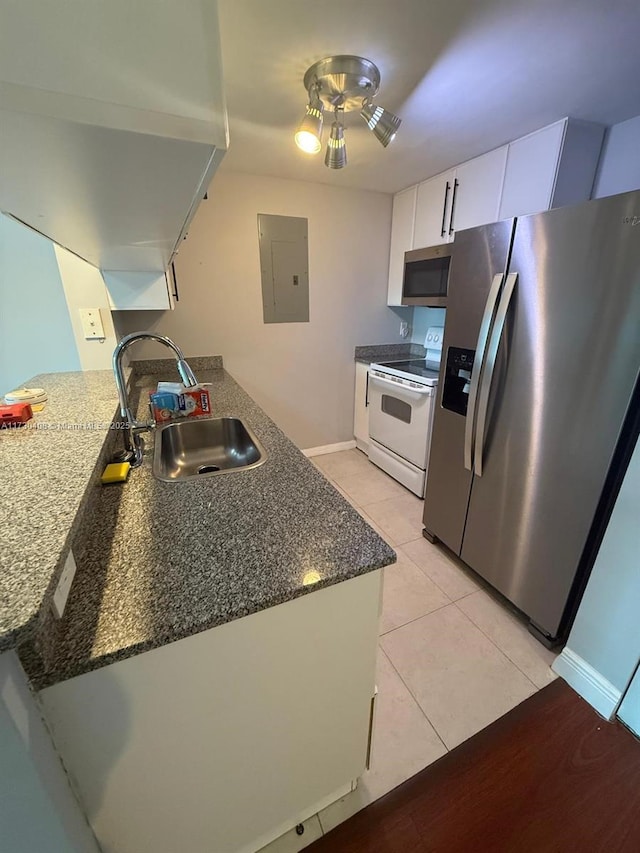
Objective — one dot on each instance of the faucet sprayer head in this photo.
(186, 374)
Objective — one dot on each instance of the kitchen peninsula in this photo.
(214, 666)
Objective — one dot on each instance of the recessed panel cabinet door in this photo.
(433, 211)
(532, 164)
(479, 190)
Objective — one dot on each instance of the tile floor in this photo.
(451, 657)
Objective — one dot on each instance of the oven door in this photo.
(400, 416)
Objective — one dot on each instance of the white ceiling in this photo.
(464, 75)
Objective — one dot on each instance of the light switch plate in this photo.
(61, 594)
(92, 327)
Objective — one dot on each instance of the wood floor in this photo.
(550, 776)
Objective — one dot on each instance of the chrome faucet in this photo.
(133, 442)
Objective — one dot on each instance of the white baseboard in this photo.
(329, 448)
(362, 445)
(588, 682)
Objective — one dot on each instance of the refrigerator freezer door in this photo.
(567, 364)
(479, 254)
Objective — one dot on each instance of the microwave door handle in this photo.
(424, 389)
(444, 210)
(487, 378)
(476, 370)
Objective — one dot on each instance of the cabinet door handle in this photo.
(453, 205)
(444, 209)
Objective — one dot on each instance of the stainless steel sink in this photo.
(205, 448)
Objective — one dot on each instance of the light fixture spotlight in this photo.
(309, 133)
(345, 83)
(383, 123)
(336, 156)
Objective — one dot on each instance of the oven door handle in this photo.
(424, 389)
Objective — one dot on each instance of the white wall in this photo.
(619, 169)
(422, 319)
(35, 331)
(606, 633)
(302, 374)
(38, 811)
(84, 287)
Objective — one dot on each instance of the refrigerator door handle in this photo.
(476, 370)
(487, 377)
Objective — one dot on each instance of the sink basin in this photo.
(205, 448)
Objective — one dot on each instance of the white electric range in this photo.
(402, 400)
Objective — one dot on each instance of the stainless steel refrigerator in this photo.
(540, 367)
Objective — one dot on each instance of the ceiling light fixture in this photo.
(336, 156)
(309, 134)
(343, 84)
(383, 123)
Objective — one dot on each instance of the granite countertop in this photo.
(48, 470)
(388, 352)
(45, 469)
(161, 561)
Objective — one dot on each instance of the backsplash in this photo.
(422, 319)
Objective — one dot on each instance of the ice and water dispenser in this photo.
(457, 379)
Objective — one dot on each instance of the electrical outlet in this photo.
(61, 594)
(404, 328)
(92, 327)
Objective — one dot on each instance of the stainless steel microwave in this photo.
(426, 276)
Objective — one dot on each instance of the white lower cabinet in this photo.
(38, 810)
(361, 408)
(225, 740)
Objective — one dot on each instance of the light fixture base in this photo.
(343, 81)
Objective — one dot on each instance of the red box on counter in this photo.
(15, 414)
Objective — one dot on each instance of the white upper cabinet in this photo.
(403, 217)
(433, 210)
(531, 172)
(477, 199)
(140, 291)
(112, 123)
(552, 167)
(549, 168)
